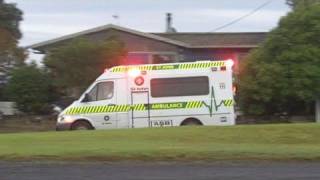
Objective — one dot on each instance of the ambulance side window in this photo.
(105, 90)
(93, 94)
(101, 91)
(180, 86)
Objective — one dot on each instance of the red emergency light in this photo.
(134, 72)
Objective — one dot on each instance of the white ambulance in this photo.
(155, 95)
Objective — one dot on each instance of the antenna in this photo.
(116, 19)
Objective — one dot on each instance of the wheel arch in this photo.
(82, 120)
(191, 119)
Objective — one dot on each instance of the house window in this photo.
(134, 58)
(137, 58)
(163, 58)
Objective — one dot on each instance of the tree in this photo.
(31, 89)
(77, 64)
(283, 74)
(10, 16)
(302, 3)
(10, 54)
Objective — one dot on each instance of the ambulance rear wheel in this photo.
(191, 122)
(81, 125)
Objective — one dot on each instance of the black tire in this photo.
(81, 125)
(191, 122)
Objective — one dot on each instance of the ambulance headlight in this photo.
(230, 62)
(65, 119)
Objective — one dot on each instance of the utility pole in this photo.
(317, 110)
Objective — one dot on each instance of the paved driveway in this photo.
(157, 171)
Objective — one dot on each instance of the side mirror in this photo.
(86, 98)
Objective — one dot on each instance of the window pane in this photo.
(186, 86)
(93, 94)
(163, 58)
(137, 58)
(105, 90)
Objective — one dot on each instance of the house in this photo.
(171, 46)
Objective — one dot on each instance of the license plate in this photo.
(161, 123)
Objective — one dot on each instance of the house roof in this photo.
(103, 28)
(218, 40)
(188, 40)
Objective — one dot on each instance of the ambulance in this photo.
(155, 95)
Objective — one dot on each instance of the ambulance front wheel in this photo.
(81, 125)
(191, 122)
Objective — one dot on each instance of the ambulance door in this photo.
(140, 112)
(122, 99)
(223, 96)
(98, 103)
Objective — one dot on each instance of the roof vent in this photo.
(169, 28)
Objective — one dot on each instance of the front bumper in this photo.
(63, 126)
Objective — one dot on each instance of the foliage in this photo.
(10, 16)
(283, 75)
(302, 3)
(10, 54)
(77, 64)
(31, 89)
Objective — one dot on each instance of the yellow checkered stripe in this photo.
(140, 107)
(201, 65)
(197, 65)
(119, 69)
(105, 109)
(194, 105)
(100, 109)
(135, 107)
(228, 102)
(127, 68)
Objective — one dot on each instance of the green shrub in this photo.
(30, 87)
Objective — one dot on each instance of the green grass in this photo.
(258, 142)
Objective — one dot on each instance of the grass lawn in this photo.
(253, 142)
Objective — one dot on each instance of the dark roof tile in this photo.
(218, 39)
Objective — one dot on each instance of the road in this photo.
(159, 171)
